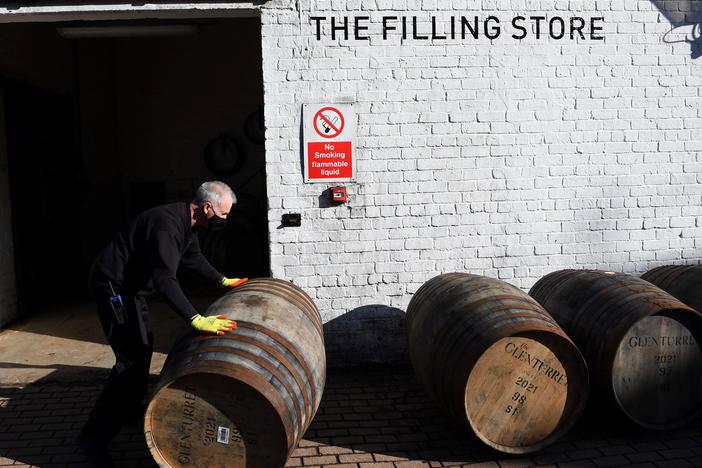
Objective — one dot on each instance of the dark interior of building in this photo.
(105, 120)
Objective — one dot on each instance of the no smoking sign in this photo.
(328, 122)
(329, 133)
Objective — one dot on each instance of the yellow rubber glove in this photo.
(215, 324)
(232, 282)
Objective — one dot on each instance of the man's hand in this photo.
(232, 282)
(215, 324)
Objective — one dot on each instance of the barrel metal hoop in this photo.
(457, 334)
(431, 288)
(543, 288)
(665, 276)
(291, 348)
(275, 340)
(464, 306)
(602, 298)
(287, 383)
(624, 305)
(242, 374)
(523, 303)
(288, 359)
(245, 361)
(268, 360)
(456, 329)
(276, 337)
(508, 325)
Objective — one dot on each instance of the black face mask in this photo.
(216, 223)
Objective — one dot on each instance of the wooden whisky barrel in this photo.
(496, 361)
(243, 399)
(640, 343)
(681, 281)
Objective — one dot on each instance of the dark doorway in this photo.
(43, 193)
(161, 115)
(101, 128)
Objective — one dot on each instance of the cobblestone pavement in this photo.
(376, 417)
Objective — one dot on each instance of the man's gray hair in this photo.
(213, 191)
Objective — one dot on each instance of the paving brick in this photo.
(582, 454)
(383, 457)
(676, 453)
(614, 460)
(36, 459)
(583, 444)
(647, 446)
(578, 464)
(356, 458)
(23, 451)
(305, 452)
(681, 443)
(308, 443)
(616, 450)
(551, 458)
(365, 430)
(430, 439)
(320, 460)
(348, 440)
(62, 449)
(334, 450)
(516, 463)
(641, 457)
(674, 464)
(332, 432)
(381, 438)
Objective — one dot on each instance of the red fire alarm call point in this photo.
(338, 194)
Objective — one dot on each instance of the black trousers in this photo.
(121, 400)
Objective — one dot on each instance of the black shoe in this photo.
(95, 451)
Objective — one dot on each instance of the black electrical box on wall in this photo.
(291, 220)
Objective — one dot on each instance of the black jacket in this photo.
(149, 250)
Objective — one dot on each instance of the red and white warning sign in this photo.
(329, 132)
(328, 122)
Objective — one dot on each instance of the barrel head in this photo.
(657, 373)
(516, 395)
(207, 420)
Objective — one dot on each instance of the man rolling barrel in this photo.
(147, 252)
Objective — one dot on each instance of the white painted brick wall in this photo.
(509, 159)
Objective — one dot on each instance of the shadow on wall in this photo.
(368, 334)
(686, 18)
